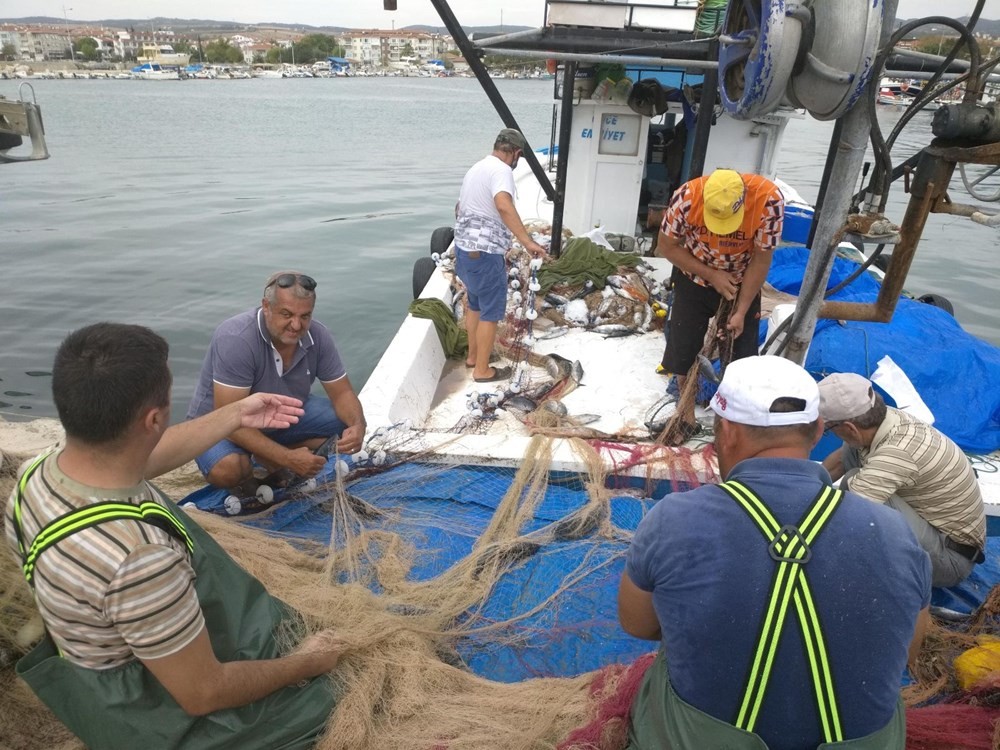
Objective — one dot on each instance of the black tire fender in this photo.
(938, 300)
(423, 269)
(441, 239)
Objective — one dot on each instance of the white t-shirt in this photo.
(479, 226)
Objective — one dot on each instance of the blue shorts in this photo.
(485, 280)
(320, 420)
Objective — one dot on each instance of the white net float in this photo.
(265, 494)
(232, 505)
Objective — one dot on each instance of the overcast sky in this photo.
(361, 13)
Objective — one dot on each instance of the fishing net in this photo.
(420, 633)
(410, 627)
(955, 695)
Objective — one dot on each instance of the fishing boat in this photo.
(455, 447)
(556, 492)
(150, 71)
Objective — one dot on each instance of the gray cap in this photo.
(844, 396)
(513, 137)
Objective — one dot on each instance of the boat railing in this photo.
(665, 15)
(20, 118)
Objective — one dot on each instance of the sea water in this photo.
(168, 203)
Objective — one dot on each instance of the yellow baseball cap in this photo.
(724, 197)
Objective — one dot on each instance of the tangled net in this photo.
(402, 682)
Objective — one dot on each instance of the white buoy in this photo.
(361, 456)
(515, 387)
(477, 413)
(519, 313)
(189, 506)
(342, 468)
(516, 296)
(265, 494)
(535, 264)
(379, 458)
(515, 284)
(531, 314)
(435, 257)
(310, 484)
(535, 286)
(529, 340)
(233, 505)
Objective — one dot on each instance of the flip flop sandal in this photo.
(499, 373)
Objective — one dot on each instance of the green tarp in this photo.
(582, 259)
(454, 339)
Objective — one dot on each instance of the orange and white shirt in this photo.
(763, 216)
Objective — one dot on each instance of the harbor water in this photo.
(168, 204)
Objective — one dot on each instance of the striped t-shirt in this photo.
(911, 459)
(115, 591)
(763, 217)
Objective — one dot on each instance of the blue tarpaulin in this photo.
(954, 372)
(442, 511)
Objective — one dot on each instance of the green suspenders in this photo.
(84, 518)
(789, 546)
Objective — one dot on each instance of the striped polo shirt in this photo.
(112, 592)
(763, 217)
(911, 459)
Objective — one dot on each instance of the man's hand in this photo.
(535, 249)
(268, 411)
(724, 283)
(304, 462)
(735, 324)
(351, 439)
(325, 648)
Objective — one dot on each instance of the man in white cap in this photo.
(774, 631)
(891, 457)
(719, 233)
(485, 222)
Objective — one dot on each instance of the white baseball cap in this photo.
(752, 385)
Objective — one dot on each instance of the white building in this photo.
(378, 48)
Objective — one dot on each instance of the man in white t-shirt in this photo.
(486, 220)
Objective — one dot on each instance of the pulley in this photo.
(758, 48)
(836, 55)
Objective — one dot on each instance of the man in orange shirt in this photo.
(719, 233)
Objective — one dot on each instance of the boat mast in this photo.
(848, 146)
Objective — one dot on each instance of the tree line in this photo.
(305, 51)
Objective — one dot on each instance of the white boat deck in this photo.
(426, 399)
(431, 394)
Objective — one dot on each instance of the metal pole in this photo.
(836, 200)
(517, 36)
(623, 59)
(706, 113)
(471, 55)
(565, 131)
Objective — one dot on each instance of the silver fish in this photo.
(586, 418)
(556, 300)
(706, 370)
(577, 371)
(520, 404)
(555, 407)
(553, 333)
(614, 330)
(558, 367)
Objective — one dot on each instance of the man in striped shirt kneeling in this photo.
(154, 636)
(891, 457)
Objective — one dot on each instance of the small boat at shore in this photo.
(150, 71)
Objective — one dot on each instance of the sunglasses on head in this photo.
(286, 280)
